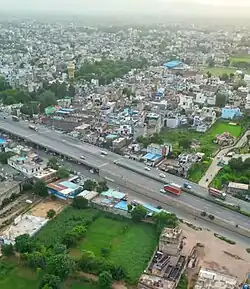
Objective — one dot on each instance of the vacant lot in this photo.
(241, 58)
(219, 71)
(218, 255)
(41, 209)
(13, 276)
(130, 245)
(221, 127)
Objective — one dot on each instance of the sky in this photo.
(188, 7)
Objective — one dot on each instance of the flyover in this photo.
(73, 148)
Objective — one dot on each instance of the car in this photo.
(161, 175)
(103, 153)
(187, 186)
(162, 191)
(147, 169)
(82, 157)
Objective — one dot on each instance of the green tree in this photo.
(36, 260)
(118, 273)
(221, 100)
(105, 280)
(224, 77)
(51, 281)
(236, 164)
(53, 163)
(209, 74)
(40, 188)
(62, 173)
(24, 244)
(4, 156)
(7, 249)
(89, 185)
(102, 186)
(164, 219)
(80, 202)
(47, 98)
(60, 265)
(138, 213)
(185, 143)
(130, 207)
(51, 214)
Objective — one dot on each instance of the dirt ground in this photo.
(41, 209)
(218, 255)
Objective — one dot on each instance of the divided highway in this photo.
(74, 148)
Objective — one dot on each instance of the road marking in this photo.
(103, 165)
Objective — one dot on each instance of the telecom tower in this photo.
(71, 70)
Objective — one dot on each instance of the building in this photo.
(64, 189)
(71, 70)
(8, 188)
(237, 188)
(208, 279)
(230, 112)
(47, 175)
(170, 241)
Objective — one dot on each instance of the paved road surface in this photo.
(75, 148)
(214, 168)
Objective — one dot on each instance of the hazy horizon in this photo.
(212, 8)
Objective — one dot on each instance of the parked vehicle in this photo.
(14, 118)
(217, 194)
(104, 153)
(161, 175)
(33, 127)
(187, 186)
(147, 169)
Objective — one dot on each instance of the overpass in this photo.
(120, 169)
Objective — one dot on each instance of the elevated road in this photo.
(73, 148)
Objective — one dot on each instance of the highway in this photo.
(74, 148)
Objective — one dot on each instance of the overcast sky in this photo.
(119, 6)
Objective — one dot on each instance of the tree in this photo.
(164, 219)
(51, 281)
(80, 202)
(224, 77)
(7, 250)
(221, 100)
(209, 74)
(23, 244)
(52, 163)
(130, 207)
(138, 213)
(118, 273)
(4, 156)
(36, 260)
(62, 173)
(47, 98)
(184, 143)
(102, 186)
(59, 265)
(89, 185)
(51, 213)
(236, 164)
(105, 280)
(40, 188)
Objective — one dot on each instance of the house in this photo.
(229, 112)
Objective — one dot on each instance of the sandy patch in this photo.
(218, 255)
(41, 209)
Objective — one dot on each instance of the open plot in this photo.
(131, 245)
(240, 58)
(13, 276)
(221, 127)
(219, 71)
(218, 255)
(54, 231)
(41, 209)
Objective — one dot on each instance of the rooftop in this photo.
(113, 194)
(210, 279)
(171, 233)
(155, 282)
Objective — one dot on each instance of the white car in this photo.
(147, 169)
(82, 157)
(161, 175)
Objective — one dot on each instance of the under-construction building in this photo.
(71, 70)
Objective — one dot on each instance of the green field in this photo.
(13, 276)
(218, 71)
(130, 245)
(220, 127)
(243, 58)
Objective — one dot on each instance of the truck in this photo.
(33, 127)
(217, 194)
(173, 189)
(15, 118)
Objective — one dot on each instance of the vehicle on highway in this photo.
(14, 118)
(82, 157)
(103, 153)
(161, 175)
(33, 127)
(173, 189)
(147, 169)
(217, 194)
(187, 186)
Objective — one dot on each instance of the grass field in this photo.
(218, 71)
(220, 127)
(243, 58)
(130, 245)
(13, 276)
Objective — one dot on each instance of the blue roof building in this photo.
(172, 64)
(230, 112)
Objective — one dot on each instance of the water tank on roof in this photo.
(246, 286)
